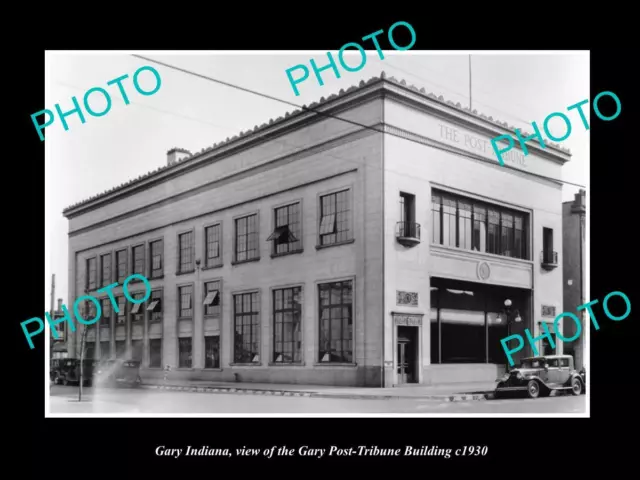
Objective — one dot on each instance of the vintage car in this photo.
(539, 376)
(127, 373)
(67, 370)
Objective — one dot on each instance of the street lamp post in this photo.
(511, 316)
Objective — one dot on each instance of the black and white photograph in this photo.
(393, 232)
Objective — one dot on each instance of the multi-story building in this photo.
(58, 346)
(573, 266)
(373, 243)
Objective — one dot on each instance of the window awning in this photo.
(135, 308)
(154, 306)
(328, 224)
(212, 298)
(282, 235)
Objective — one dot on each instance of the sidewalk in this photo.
(450, 393)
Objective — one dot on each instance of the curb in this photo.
(462, 397)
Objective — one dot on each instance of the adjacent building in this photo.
(374, 244)
(573, 265)
(58, 346)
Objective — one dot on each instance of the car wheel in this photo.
(576, 386)
(533, 389)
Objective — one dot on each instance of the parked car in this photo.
(54, 370)
(68, 371)
(539, 376)
(583, 374)
(128, 373)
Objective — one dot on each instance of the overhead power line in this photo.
(329, 115)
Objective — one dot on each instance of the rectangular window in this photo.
(336, 322)
(464, 225)
(493, 241)
(105, 269)
(287, 236)
(137, 254)
(449, 221)
(287, 315)
(436, 219)
(547, 245)
(213, 239)
(246, 243)
(435, 327)
(506, 239)
(212, 351)
(472, 225)
(121, 349)
(408, 215)
(156, 252)
(121, 265)
(185, 246)
(136, 350)
(211, 303)
(185, 297)
(246, 328)
(105, 305)
(89, 312)
(122, 310)
(335, 218)
(155, 306)
(544, 345)
(479, 228)
(184, 352)
(155, 352)
(137, 309)
(105, 350)
(90, 351)
(91, 274)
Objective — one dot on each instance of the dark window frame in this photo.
(140, 307)
(282, 234)
(192, 265)
(106, 300)
(205, 291)
(255, 240)
(216, 365)
(142, 248)
(352, 311)
(256, 320)
(152, 315)
(157, 272)
(117, 264)
(325, 239)
(493, 246)
(122, 312)
(179, 301)
(149, 340)
(274, 323)
(190, 361)
(87, 284)
(214, 261)
(109, 280)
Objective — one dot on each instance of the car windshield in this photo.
(532, 363)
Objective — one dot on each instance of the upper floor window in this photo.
(156, 251)
(137, 309)
(155, 306)
(212, 298)
(91, 274)
(287, 236)
(122, 309)
(185, 246)
(105, 270)
(246, 243)
(213, 243)
(466, 223)
(121, 265)
(137, 255)
(335, 218)
(185, 297)
(105, 319)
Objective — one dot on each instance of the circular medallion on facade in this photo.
(483, 270)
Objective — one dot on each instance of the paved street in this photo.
(64, 400)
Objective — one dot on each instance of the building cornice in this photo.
(376, 87)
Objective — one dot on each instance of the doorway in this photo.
(407, 348)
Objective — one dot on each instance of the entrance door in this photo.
(407, 348)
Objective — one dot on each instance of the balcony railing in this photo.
(408, 233)
(549, 259)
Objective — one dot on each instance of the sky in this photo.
(193, 113)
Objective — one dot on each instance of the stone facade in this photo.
(299, 158)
